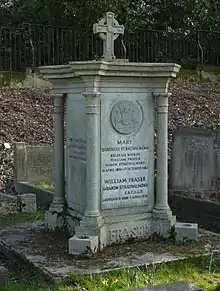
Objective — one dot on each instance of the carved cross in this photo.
(108, 29)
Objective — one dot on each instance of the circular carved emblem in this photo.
(126, 117)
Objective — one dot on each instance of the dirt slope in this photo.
(26, 115)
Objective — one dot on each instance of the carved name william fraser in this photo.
(125, 180)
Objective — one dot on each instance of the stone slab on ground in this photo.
(29, 243)
(178, 286)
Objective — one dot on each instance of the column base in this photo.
(90, 236)
(162, 222)
(83, 245)
(165, 213)
(54, 217)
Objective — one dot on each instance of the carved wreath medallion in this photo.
(126, 117)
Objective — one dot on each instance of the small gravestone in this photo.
(193, 162)
(110, 111)
(27, 202)
(17, 203)
(179, 286)
(8, 204)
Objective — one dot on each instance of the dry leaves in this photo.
(26, 115)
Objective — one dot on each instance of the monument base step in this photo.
(48, 251)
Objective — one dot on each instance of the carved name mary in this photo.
(110, 150)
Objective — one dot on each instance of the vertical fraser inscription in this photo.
(77, 149)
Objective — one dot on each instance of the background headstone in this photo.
(27, 202)
(195, 162)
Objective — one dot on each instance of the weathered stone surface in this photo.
(109, 30)
(195, 163)
(8, 204)
(110, 153)
(83, 245)
(186, 231)
(27, 202)
(17, 203)
(4, 275)
(49, 251)
(179, 286)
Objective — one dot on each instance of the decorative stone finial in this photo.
(108, 29)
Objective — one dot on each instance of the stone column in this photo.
(161, 204)
(92, 211)
(53, 219)
(59, 166)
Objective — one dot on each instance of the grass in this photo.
(11, 219)
(193, 76)
(195, 270)
(46, 186)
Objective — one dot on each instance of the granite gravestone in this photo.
(196, 169)
(193, 160)
(110, 147)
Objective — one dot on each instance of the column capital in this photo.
(162, 102)
(58, 103)
(92, 103)
(59, 96)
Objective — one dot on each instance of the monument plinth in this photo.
(110, 118)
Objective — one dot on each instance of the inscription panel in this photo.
(126, 159)
(76, 152)
(126, 231)
(77, 149)
(124, 174)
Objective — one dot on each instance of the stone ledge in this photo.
(15, 254)
(37, 253)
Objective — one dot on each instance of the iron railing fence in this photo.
(31, 45)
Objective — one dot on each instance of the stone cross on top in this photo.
(108, 29)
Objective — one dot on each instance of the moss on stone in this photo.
(17, 218)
